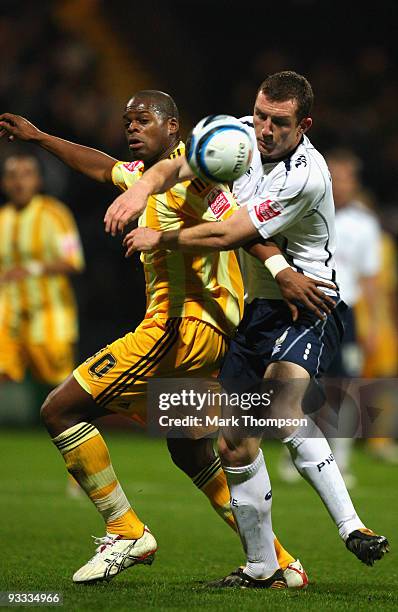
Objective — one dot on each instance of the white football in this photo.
(219, 148)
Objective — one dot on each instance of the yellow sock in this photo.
(129, 525)
(212, 481)
(87, 460)
(379, 442)
(73, 482)
(284, 557)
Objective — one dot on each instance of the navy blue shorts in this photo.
(267, 334)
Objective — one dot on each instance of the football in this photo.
(219, 148)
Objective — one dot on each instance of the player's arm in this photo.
(236, 231)
(69, 260)
(273, 214)
(61, 234)
(93, 163)
(232, 233)
(36, 268)
(158, 179)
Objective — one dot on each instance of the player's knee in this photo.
(235, 454)
(229, 454)
(67, 405)
(191, 456)
(57, 413)
(48, 411)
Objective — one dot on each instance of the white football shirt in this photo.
(291, 201)
(358, 252)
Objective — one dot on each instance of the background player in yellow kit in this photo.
(39, 248)
(194, 304)
(382, 361)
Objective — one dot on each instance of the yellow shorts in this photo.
(117, 376)
(383, 361)
(49, 363)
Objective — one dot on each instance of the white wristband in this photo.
(35, 268)
(276, 264)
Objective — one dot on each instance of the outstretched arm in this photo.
(93, 163)
(158, 179)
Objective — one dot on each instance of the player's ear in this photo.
(305, 124)
(174, 126)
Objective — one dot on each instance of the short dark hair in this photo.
(343, 155)
(21, 156)
(288, 85)
(161, 101)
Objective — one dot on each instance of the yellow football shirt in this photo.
(383, 361)
(206, 287)
(44, 231)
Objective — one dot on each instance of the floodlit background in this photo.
(71, 65)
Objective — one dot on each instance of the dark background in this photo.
(71, 65)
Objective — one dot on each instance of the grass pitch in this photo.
(45, 535)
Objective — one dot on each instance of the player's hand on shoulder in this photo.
(141, 239)
(298, 288)
(16, 127)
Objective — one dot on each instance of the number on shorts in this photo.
(102, 366)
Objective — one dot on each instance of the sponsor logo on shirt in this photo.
(267, 210)
(218, 202)
(132, 165)
(69, 244)
(301, 160)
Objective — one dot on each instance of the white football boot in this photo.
(115, 554)
(295, 575)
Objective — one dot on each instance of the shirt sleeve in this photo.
(369, 260)
(125, 174)
(65, 236)
(289, 198)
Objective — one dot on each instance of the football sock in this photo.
(212, 481)
(379, 442)
(73, 488)
(284, 557)
(251, 501)
(314, 460)
(87, 459)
